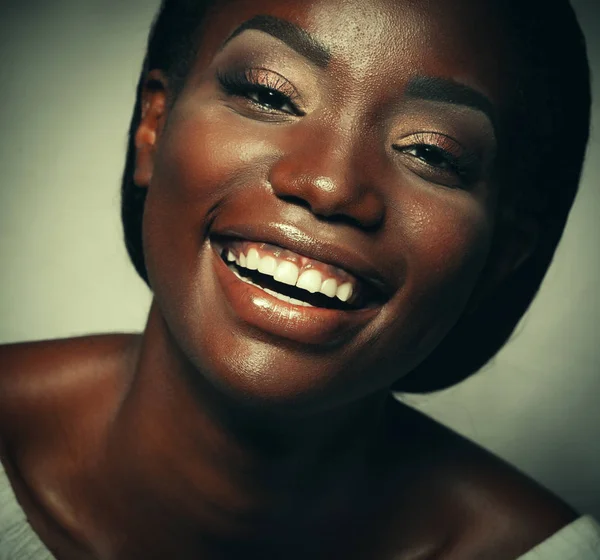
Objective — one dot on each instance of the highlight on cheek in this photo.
(440, 159)
(263, 89)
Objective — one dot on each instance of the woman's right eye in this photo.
(270, 99)
(267, 90)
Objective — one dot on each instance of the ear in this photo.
(152, 120)
(515, 240)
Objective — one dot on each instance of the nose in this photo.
(331, 178)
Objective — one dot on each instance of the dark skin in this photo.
(239, 425)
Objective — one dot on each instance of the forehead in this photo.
(462, 40)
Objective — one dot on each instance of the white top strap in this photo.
(579, 540)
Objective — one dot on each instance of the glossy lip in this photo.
(304, 325)
(293, 239)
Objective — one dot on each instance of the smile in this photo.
(292, 278)
(291, 295)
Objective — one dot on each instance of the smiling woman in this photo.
(329, 201)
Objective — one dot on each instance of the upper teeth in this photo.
(288, 273)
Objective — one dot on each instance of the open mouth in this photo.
(296, 279)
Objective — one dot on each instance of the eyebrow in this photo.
(448, 91)
(291, 34)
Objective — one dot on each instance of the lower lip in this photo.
(305, 325)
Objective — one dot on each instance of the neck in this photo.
(226, 466)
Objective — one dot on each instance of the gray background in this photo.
(68, 70)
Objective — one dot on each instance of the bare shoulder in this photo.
(44, 382)
(56, 400)
(485, 507)
(508, 512)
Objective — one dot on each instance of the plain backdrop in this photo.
(68, 71)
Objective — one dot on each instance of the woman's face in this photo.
(346, 147)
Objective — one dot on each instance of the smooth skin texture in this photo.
(237, 425)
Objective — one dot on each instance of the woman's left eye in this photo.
(434, 156)
(439, 159)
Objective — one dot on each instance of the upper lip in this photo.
(292, 238)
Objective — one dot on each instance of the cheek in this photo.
(444, 238)
(203, 154)
(201, 161)
(447, 235)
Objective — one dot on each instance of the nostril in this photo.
(330, 190)
(365, 212)
(296, 200)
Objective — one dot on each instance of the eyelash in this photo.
(258, 81)
(456, 163)
(464, 165)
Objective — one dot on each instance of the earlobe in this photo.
(152, 119)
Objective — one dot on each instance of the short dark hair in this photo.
(544, 155)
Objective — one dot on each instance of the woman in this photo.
(328, 200)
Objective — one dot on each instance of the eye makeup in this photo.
(450, 144)
(445, 138)
(442, 90)
(259, 74)
(440, 159)
(266, 89)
